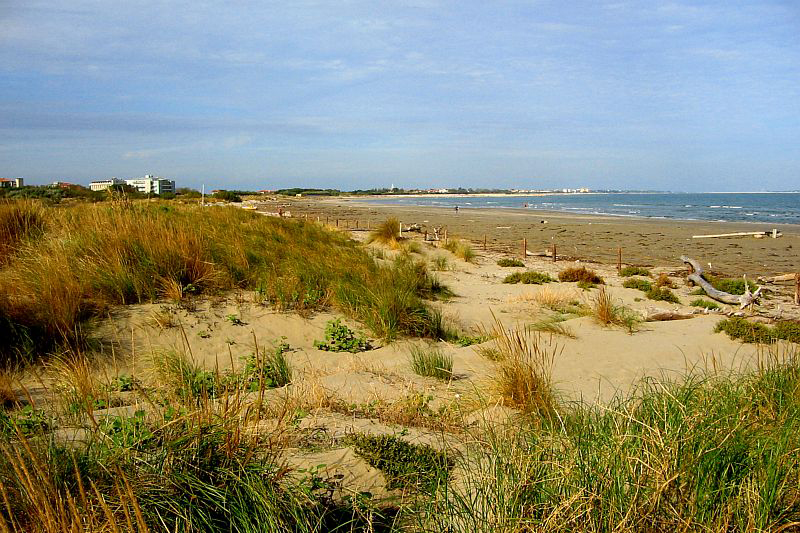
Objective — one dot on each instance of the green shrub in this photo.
(529, 278)
(730, 285)
(387, 232)
(634, 271)
(580, 274)
(440, 263)
(505, 262)
(705, 304)
(739, 328)
(586, 285)
(269, 369)
(431, 363)
(340, 338)
(635, 283)
(405, 465)
(228, 196)
(788, 330)
(662, 294)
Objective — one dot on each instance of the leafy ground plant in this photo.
(662, 294)
(506, 262)
(757, 333)
(528, 278)
(580, 274)
(637, 283)
(705, 304)
(634, 271)
(340, 338)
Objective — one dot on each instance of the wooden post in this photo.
(797, 288)
(619, 260)
(524, 248)
(367, 223)
(426, 235)
(774, 233)
(484, 242)
(317, 218)
(401, 230)
(555, 254)
(327, 220)
(356, 223)
(337, 222)
(445, 236)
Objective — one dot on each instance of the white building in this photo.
(152, 185)
(146, 185)
(102, 185)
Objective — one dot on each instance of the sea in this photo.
(774, 208)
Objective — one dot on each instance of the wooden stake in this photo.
(797, 288)
(337, 222)
(401, 230)
(484, 242)
(555, 254)
(426, 235)
(524, 248)
(356, 223)
(445, 236)
(619, 260)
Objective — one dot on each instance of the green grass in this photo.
(634, 271)
(705, 304)
(461, 249)
(755, 332)
(506, 262)
(636, 283)
(387, 232)
(149, 251)
(662, 294)
(731, 285)
(529, 278)
(580, 274)
(432, 363)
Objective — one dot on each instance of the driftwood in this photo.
(774, 234)
(660, 315)
(748, 298)
(776, 279)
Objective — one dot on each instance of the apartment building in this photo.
(146, 185)
(11, 183)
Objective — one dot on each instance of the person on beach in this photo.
(456, 208)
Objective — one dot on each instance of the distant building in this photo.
(152, 185)
(146, 185)
(11, 183)
(102, 185)
(63, 185)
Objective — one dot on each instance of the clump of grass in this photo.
(461, 249)
(412, 247)
(387, 233)
(405, 465)
(634, 271)
(19, 220)
(606, 312)
(586, 285)
(580, 274)
(662, 294)
(554, 325)
(340, 338)
(757, 333)
(636, 283)
(432, 363)
(506, 262)
(705, 304)
(529, 278)
(730, 285)
(665, 281)
(267, 369)
(440, 263)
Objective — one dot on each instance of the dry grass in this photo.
(18, 221)
(580, 274)
(664, 280)
(606, 312)
(461, 249)
(387, 233)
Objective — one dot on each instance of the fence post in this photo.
(524, 248)
(619, 260)
(484, 242)
(555, 254)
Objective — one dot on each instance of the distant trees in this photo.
(228, 196)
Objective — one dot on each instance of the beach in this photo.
(593, 238)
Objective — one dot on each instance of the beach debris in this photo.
(664, 315)
(414, 227)
(758, 234)
(779, 278)
(746, 299)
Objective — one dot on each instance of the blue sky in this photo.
(670, 96)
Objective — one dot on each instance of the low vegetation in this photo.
(662, 294)
(634, 271)
(580, 274)
(528, 278)
(461, 249)
(506, 262)
(755, 332)
(705, 304)
(606, 312)
(637, 283)
(730, 285)
(665, 281)
(387, 233)
(90, 257)
(432, 363)
(340, 338)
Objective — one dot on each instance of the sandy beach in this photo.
(596, 238)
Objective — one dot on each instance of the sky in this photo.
(685, 96)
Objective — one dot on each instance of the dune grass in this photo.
(528, 278)
(607, 313)
(387, 233)
(431, 362)
(757, 333)
(580, 274)
(637, 283)
(634, 271)
(91, 257)
(507, 262)
(461, 249)
(705, 304)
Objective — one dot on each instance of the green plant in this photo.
(340, 338)
(506, 262)
(388, 232)
(122, 383)
(665, 281)
(705, 304)
(529, 278)
(440, 263)
(267, 369)
(555, 325)
(634, 271)
(580, 274)
(404, 464)
(730, 285)
(755, 332)
(586, 285)
(606, 312)
(235, 320)
(662, 294)
(460, 249)
(28, 421)
(635, 283)
(431, 363)
(464, 340)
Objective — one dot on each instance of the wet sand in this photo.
(647, 242)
